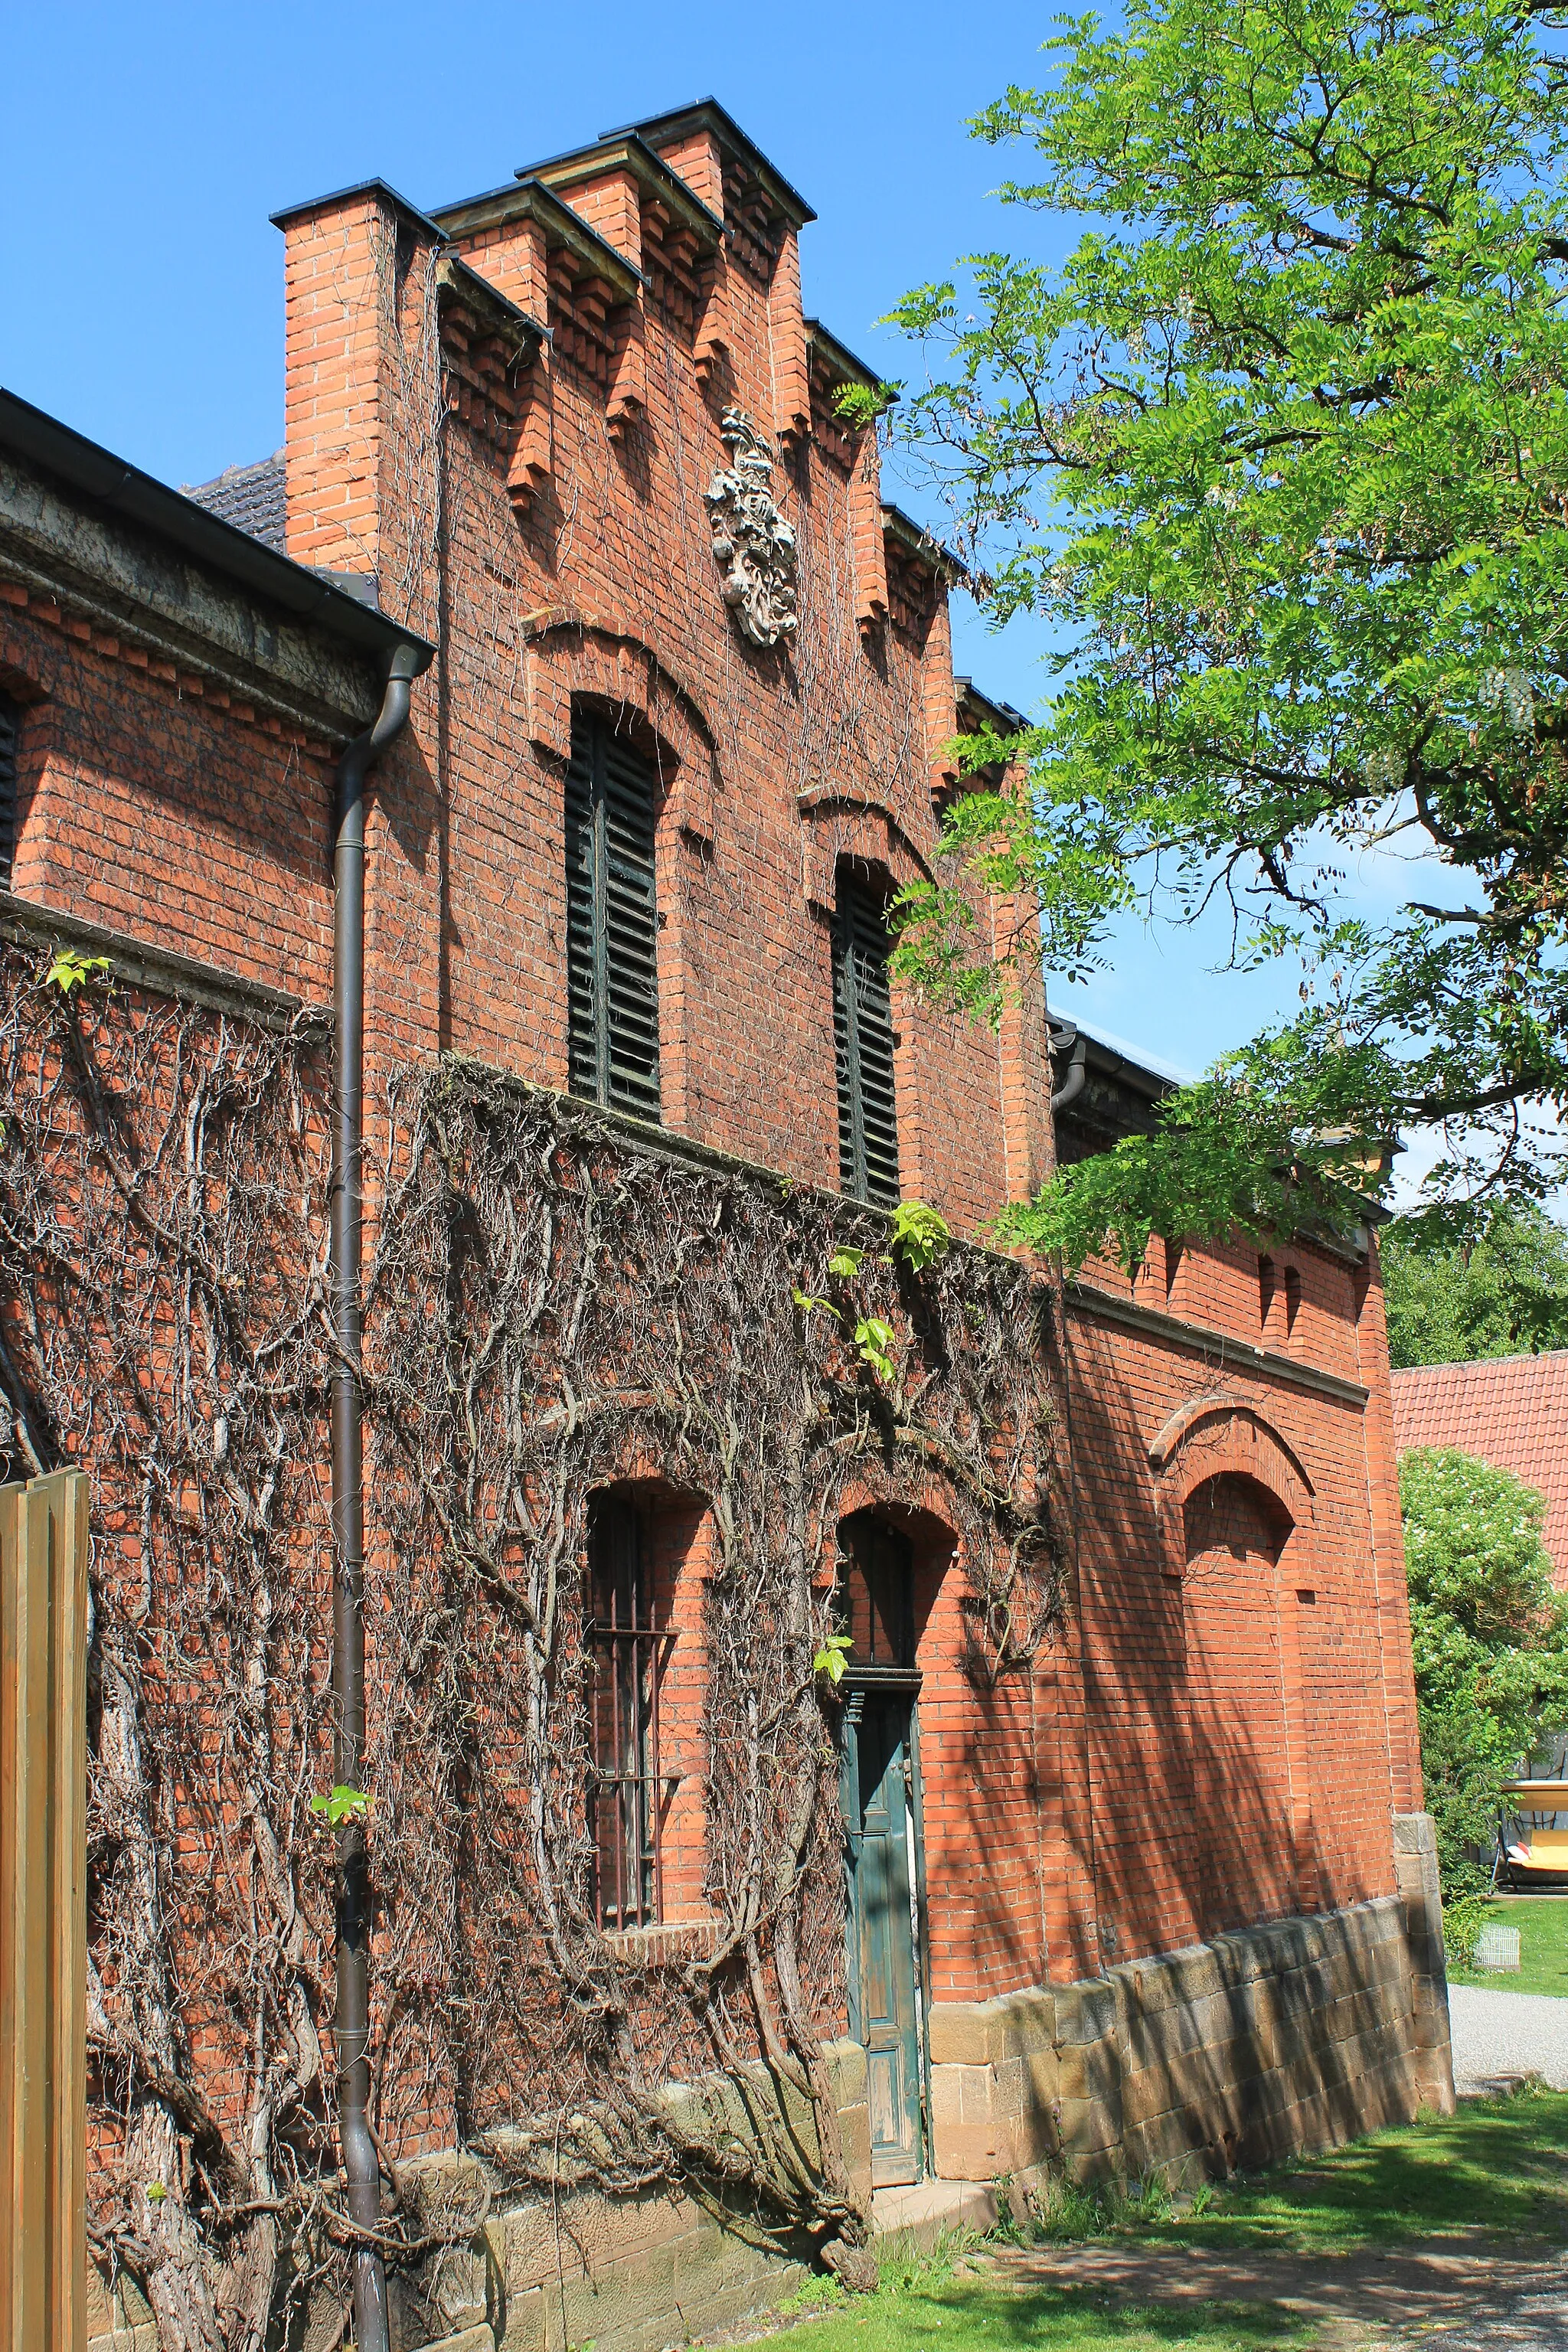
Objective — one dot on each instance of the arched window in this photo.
(628, 1794)
(1235, 1533)
(863, 1043)
(874, 1600)
(612, 922)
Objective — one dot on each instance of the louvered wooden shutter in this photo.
(863, 1039)
(612, 925)
(10, 725)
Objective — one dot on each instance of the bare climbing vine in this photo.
(559, 1307)
(554, 1304)
(160, 1325)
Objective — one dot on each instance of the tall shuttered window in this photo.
(863, 1039)
(10, 730)
(612, 924)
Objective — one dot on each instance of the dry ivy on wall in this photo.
(161, 1311)
(551, 1307)
(557, 1307)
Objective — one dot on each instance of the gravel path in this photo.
(1498, 2034)
(1533, 2322)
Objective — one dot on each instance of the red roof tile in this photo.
(1511, 1411)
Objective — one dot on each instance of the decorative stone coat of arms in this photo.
(751, 541)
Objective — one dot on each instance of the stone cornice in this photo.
(136, 588)
(46, 928)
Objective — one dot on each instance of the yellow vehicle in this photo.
(1533, 1833)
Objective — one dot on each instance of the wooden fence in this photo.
(43, 1914)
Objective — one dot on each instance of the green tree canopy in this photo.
(1489, 1638)
(1281, 452)
(1504, 1293)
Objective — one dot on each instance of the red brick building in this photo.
(1134, 1863)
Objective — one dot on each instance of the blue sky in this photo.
(140, 283)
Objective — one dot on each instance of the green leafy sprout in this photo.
(344, 1804)
(874, 1340)
(70, 970)
(921, 1235)
(860, 405)
(832, 1657)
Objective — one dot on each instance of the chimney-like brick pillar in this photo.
(786, 334)
(341, 270)
(866, 530)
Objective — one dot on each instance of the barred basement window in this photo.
(10, 730)
(863, 1043)
(628, 1790)
(612, 929)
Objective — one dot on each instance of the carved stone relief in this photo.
(752, 544)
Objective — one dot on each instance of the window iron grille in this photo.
(863, 1044)
(612, 921)
(630, 1790)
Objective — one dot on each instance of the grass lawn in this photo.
(1542, 1924)
(1496, 2170)
(1498, 2165)
(927, 2304)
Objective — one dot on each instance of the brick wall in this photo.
(1222, 1729)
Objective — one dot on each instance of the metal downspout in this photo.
(362, 2166)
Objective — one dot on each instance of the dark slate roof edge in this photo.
(732, 134)
(839, 353)
(601, 146)
(987, 703)
(110, 481)
(571, 223)
(923, 542)
(382, 188)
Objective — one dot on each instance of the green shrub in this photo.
(1462, 1924)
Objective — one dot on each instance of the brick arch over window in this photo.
(1212, 1435)
(573, 654)
(839, 826)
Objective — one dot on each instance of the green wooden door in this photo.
(882, 1975)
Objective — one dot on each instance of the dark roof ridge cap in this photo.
(921, 541)
(98, 474)
(540, 191)
(731, 134)
(664, 172)
(240, 465)
(376, 187)
(836, 348)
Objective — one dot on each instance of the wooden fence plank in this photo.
(43, 1922)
